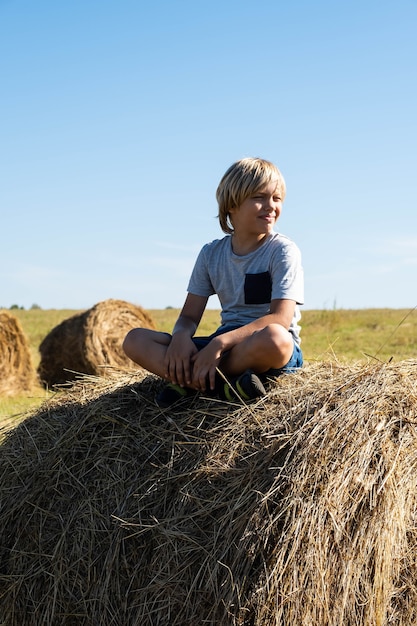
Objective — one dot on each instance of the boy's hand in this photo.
(204, 365)
(177, 360)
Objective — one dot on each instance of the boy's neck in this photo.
(242, 246)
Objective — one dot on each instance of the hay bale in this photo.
(90, 342)
(299, 509)
(17, 374)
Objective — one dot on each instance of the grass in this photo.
(357, 335)
(339, 334)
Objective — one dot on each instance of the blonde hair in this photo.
(242, 180)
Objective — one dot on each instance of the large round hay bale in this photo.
(16, 369)
(299, 509)
(90, 342)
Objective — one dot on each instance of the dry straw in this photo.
(16, 369)
(90, 342)
(299, 509)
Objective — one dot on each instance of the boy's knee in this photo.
(278, 343)
(277, 335)
(130, 341)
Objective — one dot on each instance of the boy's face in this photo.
(256, 216)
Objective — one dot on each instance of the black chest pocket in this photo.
(258, 288)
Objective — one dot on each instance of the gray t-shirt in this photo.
(245, 285)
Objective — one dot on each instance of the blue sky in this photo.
(118, 119)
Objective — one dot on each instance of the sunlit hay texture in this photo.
(90, 342)
(17, 374)
(299, 509)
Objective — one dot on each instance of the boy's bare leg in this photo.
(271, 347)
(147, 348)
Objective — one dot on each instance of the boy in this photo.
(258, 277)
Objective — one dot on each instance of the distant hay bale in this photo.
(297, 510)
(16, 369)
(90, 342)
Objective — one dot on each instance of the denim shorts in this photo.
(295, 362)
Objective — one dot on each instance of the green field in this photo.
(341, 335)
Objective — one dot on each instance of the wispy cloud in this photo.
(403, 246)
(168, 245)
(29, 274)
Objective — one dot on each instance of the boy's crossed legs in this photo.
(267, 352)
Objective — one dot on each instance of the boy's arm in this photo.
(206, 361)
(191, 314)
(281, 312)
(177, 360)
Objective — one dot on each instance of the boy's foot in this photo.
(170, 394)
(247, 386)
